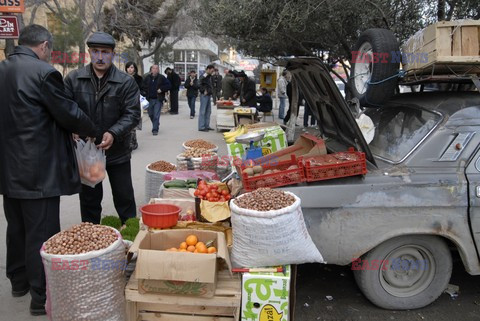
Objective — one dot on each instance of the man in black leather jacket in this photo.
(37, 160)
(111, 99)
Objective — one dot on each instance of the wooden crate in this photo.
(224, 306)
(450, 46)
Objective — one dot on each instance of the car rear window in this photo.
(399, 130)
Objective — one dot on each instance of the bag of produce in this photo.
(91, 162)
(155, 176)
(84, 269)
(269, 230)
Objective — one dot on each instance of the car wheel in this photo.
(413, 272)
(372, 81)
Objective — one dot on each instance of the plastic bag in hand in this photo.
(91, 162)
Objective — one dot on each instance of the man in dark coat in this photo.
(229, 87)
(216, 85)
(37, 159)
(110, 98)
(154, 88)
(265, 103)
(248, 92)
(191, 83)
(175, 82)
(206, 90)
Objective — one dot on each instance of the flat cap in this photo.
(101, 39)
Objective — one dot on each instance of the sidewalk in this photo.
(174, 130)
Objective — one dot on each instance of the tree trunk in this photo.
(441, 10)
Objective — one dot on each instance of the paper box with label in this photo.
(273, 141)
(268, 296)
(182, 273)
(305, 145)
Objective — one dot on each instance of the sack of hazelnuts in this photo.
(84, 268)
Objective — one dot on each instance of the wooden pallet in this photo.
(224, 306)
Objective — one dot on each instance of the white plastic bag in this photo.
(88, 286)
(271, 238)
(144, 102)
(91, 162)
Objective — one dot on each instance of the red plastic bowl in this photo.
(160, 215)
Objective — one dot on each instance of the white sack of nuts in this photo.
(269, 229)
(84, 268)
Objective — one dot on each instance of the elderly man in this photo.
(110, 98)
(37, 160)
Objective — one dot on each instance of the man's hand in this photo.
(76, 137)
(107, 141)
(243, 100)
(159, 91)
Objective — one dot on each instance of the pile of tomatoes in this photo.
(212, 193)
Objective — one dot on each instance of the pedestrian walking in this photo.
(206, 91)
(228, 85)
(282, 93)
(37, 158)
(217, 85)
(175, 83)
(132, 69)
(308, 113)
(154, 88)
(111, 99)
(192, 91)
(248, 93)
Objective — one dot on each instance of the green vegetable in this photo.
(133, 222)
(176, 183)
(130, 232)
(112, 221)
(192, 181)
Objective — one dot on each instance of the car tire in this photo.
(373, 83)
(398, 285)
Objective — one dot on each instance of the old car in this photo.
(419, 201)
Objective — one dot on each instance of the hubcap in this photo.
(409, 271)
(362, 72)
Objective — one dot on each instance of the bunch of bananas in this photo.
(230, 136)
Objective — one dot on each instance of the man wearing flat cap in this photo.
(111, 99)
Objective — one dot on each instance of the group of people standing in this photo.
(41, 116)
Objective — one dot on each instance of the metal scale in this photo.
(253, 151)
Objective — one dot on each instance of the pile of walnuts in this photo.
(265, 199)
(196, 153)
(199, 143)
(162, 166)
(81, 238)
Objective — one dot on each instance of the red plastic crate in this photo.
(282, 178)
(329, 171)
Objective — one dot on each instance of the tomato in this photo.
(222, 199)
(227, 197)
(224, 192)
(196, 193)
(214, 187)
(215, 194)
(208, 195)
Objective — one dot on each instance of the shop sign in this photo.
(12, 6)
(8, 27)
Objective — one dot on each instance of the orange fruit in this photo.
(191, 240)
(191, 248)
(211, 250)
(199, 244)
(173, 249)
(196, 251)
(183, 245)
(182, 250)
(202, 248)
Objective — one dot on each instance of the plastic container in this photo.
(351, 163)
(160, 215)
(283, 177)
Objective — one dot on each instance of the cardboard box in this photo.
(178, 272)
(273, 141)
(305, 145)
(268, 296)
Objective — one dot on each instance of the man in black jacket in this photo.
(191, 83)
(175, 82)
(248, 92)
(217, 85)
(206, 90)
(37, 160)
(110, 98)
(154, 88)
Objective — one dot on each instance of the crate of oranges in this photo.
(183, 262)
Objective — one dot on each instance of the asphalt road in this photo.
(315, 281)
